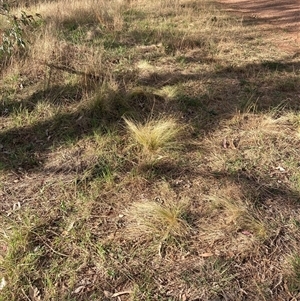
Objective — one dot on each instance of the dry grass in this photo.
(211, 109)
(239, 217)
(150, 219)
(156, 136)
(294, 274)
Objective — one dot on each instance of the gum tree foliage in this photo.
(14, 36)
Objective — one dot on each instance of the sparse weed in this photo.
(22, 116)
(211, 276)
(21, 257)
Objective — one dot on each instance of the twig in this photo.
(56, 252)
(279, 282)
(74, 71)
(25, 295)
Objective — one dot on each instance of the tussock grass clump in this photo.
(150, 219)
(156, 135)
(240, 217)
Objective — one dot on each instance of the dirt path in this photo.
(281, 18)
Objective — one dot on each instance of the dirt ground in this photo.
(274, 16)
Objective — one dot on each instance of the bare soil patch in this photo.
(274, 16)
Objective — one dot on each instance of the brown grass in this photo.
(199, 97)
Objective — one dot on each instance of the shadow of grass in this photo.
(57, 95)
(261, 190)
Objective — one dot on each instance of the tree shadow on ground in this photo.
(25, 147)
(203, 98)
(261, 190)
(268, 86)
(56, 95)
(263, 87)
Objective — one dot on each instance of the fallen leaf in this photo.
(120, 293)
(208, 254)
(2, 284)
(16, 206)
(79, 289)
(70, 227)
(246, 233)
(281, 169)
(183, 297)
(107, 294)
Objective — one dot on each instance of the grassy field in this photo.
(149, 150)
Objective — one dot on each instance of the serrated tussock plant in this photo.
(151, 219)
(156, 136)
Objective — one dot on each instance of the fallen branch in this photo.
(74, 71)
